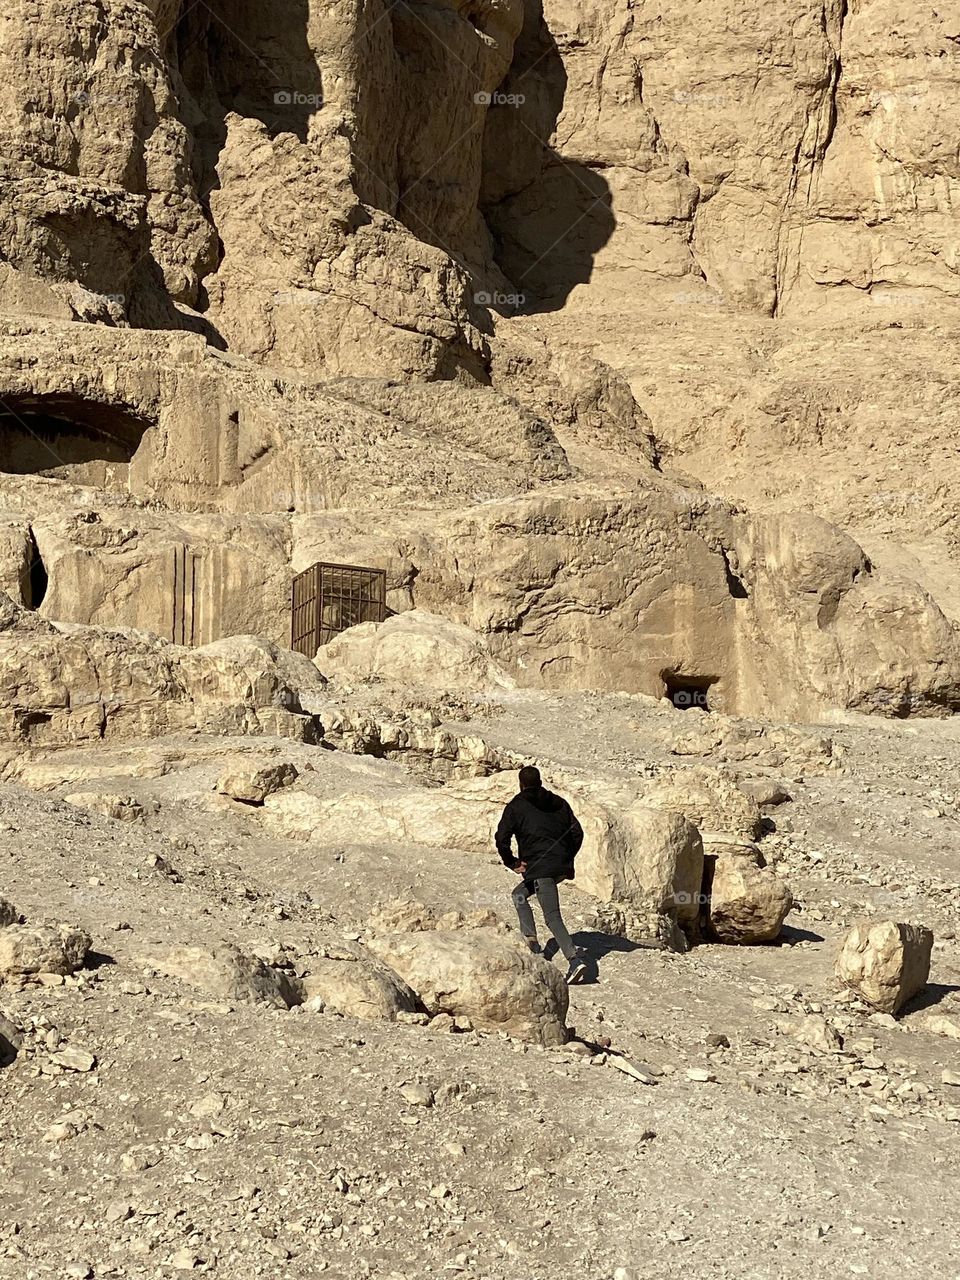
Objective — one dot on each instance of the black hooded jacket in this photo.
(548, 834)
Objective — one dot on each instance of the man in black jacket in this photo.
(548, 839)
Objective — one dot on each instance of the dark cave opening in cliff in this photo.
(67, 437)
(688, 692)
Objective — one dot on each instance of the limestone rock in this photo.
(68, 683)
(73, 1058)
(747, 903)
(30, 949)
(940, 1025)
(414, 648)
(226, 972)
(481, 975)
(251, 783)
(8, 913)
(767, 792)
(121, 808)
(814, 1032)
(709, 798)
(885, 962)
(404, 915)
(642, 856)
(359, 988)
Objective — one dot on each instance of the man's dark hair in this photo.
(530, 778)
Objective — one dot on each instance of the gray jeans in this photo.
(549, 899)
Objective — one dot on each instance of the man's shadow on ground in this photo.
(594, 946)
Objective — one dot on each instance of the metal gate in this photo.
(328, 598)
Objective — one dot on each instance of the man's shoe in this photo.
(532, 944)
(578, 967)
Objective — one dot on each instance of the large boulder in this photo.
(226, 972)
(359, 987)
(885, 962)
(252, 782)
(642, 857)
(28, 949)
(414, 648)
(68, 683)
(483, 975)
(747, 903)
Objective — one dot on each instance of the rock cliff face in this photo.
(455, 289)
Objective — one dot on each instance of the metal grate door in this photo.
(328, 598)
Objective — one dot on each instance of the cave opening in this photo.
(69, 438)
(687, 692)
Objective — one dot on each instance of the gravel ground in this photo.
(242, 1141)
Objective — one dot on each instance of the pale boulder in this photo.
(482, 975)
(252, 783)
(940, 1025)
(414, 648)
(120, 808)
(226, 972)
(359, 988)
(29, 949)
(885, 962)
(747, 903)
(402, 815)
(814, 1032)
(642, 857)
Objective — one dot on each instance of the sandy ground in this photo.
(242, 1141)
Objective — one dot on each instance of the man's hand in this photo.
(521, 868)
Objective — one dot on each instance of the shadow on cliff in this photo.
(245, 58)
(548, 214)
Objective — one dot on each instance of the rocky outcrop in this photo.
(226, 972)
(358, 987)
(747, 903)
(31, 949)
(481, 975)
(885, 963)
(414, 648)
(62, 684)
(251, 783)
(663, 590)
